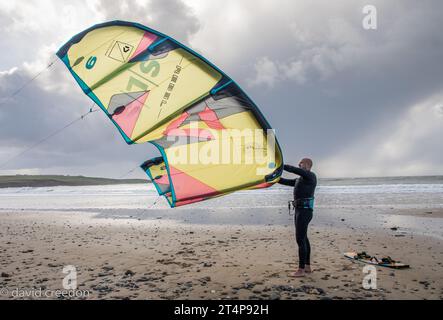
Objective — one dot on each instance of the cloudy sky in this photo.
(359, 102)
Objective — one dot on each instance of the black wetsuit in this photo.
(304, 188)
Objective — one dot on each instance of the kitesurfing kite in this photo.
(154, 89)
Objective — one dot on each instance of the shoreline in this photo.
(42, 181)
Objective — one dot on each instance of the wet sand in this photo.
(120, 258)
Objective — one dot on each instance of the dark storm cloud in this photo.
(354, 85)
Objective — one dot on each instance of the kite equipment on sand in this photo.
(211, 136)
(383, 262)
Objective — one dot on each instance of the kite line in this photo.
(83, 116)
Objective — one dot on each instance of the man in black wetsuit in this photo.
(304, 188)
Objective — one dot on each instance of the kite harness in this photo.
(304, 203)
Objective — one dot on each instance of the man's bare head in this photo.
(305, 164)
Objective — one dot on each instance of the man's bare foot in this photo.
(300, 273)
(308, 269)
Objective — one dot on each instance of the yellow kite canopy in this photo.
(212, 138)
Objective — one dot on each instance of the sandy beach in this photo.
(151, 254)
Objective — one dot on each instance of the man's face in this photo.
(305, 164)
(302, 164)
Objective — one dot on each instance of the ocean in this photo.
(409, 202)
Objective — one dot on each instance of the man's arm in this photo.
(296, 170)
(287, 182)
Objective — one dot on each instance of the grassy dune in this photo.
(55, 180)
